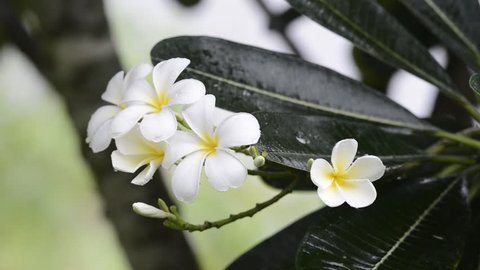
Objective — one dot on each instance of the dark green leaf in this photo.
(245, 78)
(475, 83)
(278, 252)
(375, 31)
(415, 226)
(471, 254)
(291, 140)
(456, 23)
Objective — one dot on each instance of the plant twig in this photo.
(180, 224)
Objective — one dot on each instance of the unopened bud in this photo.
(259, 161)
(310, 163)
(163, 205)
(146, 210)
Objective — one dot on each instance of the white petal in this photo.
(140, 91)
(99, 117)
(199, 115)
(127, 118)
(160, 126)
(186, 178)
(180, 145)
(129, 163)
(331, 196)
(139, 71)
(238, 129)
(224, 171)
(133, 143)
(166, 72)
(219, 115)
(146, 174)
(146, 210)
(114, 92)
(101, 138)
(321, 173)
(343, 154)
(358, 193)
(186, 91)
(366, 167)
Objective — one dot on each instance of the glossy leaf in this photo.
(456, 23)
(278, 252)
(291, 140)
(374, 30)
(475, 83)
(396, 199)
(415, 226)
(245, 78)
(471, 254)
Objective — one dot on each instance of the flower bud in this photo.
(309, 164)
(259, 161)
(146, 210)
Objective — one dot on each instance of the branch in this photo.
(180, 224)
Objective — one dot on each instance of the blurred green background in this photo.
(51, 214)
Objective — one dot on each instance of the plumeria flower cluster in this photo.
(346, 181)
(170, 123)
(158, 121)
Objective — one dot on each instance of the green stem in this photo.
(451, 170)
(452, 159)
(462, 139)
(472, 110)
(180, 224)
(242, 149)
(442, 145)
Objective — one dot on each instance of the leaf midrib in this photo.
(313, 154)
(446, 88)
(455, 30)
(414, 226)
(306, 103)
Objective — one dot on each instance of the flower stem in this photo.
(180, 224)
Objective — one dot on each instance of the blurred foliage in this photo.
(51, 217)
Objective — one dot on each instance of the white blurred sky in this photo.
(149, 21)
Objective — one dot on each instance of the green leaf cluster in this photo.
(426, 214)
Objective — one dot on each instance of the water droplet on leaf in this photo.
(300, 136)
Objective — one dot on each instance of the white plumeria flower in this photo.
(210, 146)
(134, 151)
(347, 181)
(155, 105)
(98, 130)
(147, 210)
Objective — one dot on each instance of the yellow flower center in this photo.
(158, 155)
(337, 177)
(161, 101)
(209, 144)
